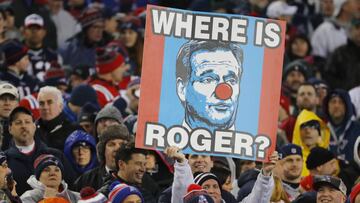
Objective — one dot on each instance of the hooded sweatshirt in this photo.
(37, 194)
(343, 135)
(304, 117)
(69, 144)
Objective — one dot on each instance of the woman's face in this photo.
(129, 37)
(227, 186)
(299, 47)
(213, 189)
(51, 176)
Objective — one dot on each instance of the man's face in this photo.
(309, 136)
(49, 106)
(110, 151)
(294, 79)
(327, 7)
(327, 194)
(337, 109)
(103, 123)
(328, 168)
(117, 74)
(133, 171)
(292, 167)
(213, 189)
(306, 97)
(95, 31)
(34, 35)
(23, 64)
(82, 155)
(209, 69)
(7, 103)
(357, 199)
(200, 163)
(23, 129)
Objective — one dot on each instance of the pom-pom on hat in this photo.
(89, 195)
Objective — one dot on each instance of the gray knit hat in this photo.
(112, 132)
(109, 111)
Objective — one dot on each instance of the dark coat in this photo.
(95, 178)
(22, 164)
(55, 132)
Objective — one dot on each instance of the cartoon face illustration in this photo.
(210, 94)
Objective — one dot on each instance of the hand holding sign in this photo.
(268, 167)
(175, 152)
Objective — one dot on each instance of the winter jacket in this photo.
(69, 144)
(7, 197)
(22, 165)
(246, 182)
(343, 135)
(55, 132)
(95, 178)
(304, 117)
(261, 193)
(343, 67)
(37, 194)
(106, 91)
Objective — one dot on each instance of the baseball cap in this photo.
(331, 181)
(34, 19)
(280, 8)
(7, 88)
(290, 149)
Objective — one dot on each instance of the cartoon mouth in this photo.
(221, 107)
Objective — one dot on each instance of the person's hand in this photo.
(50, 192)
(175, 152)
(13, 191)
(268, 167)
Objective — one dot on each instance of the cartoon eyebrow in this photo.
(231, 75)
(206, 72)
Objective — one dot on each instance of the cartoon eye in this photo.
(207, 80)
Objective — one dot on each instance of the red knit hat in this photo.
(108, 62)
(354, 192)
(90, 16)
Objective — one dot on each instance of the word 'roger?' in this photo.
(208, 27)
(201, 140)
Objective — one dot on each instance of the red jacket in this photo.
(106, 91)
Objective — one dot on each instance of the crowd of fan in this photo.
(69, 94)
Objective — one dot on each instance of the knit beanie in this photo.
(107, 62)
(290, 149)
(200, 178)
(119, 192)
(109, 111)
(197, 195)
(83, 94)
(297, 65)
(89, 17)
(317, 157)
(2, 157)
(354, 192)
(55, 76)
(44, 161)
(89, 195)
(14, 51)
(88, 113)
(121, 132)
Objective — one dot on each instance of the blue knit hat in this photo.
(83, 94)
(44, 161)
(14, 51)
(120, 191)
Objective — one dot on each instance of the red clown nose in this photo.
(223, 91)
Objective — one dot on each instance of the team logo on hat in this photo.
(293, 150)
